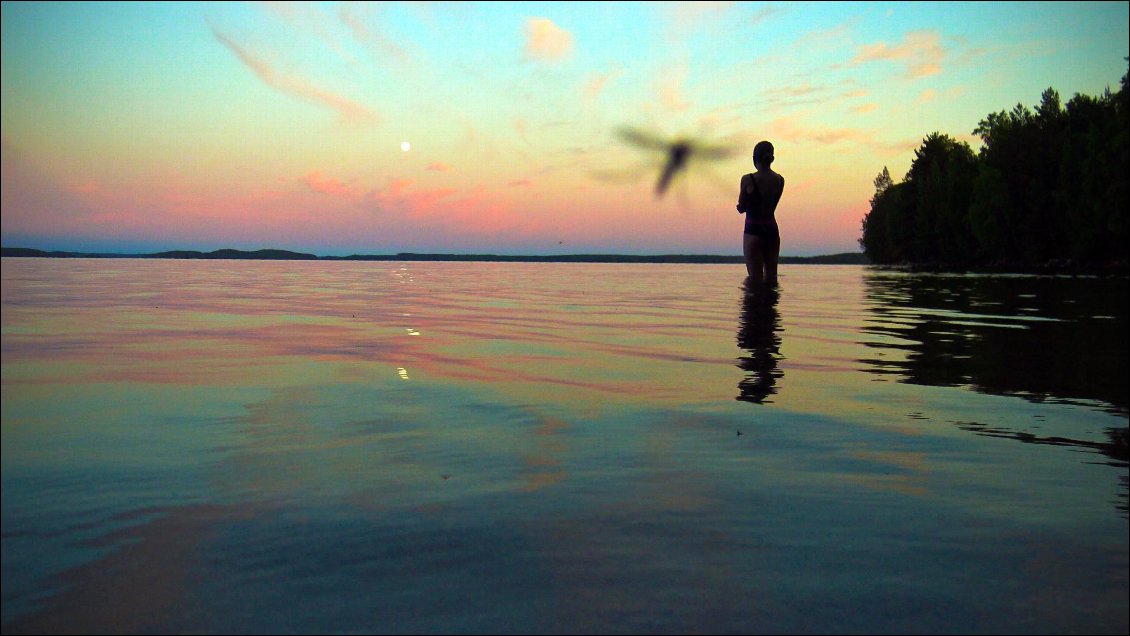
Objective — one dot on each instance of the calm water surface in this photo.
(234, 446)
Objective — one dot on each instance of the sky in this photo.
(377, 128)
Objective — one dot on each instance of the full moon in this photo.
(405, 146)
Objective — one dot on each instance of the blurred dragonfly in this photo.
(675, 156)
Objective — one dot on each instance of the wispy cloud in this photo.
(545, 41)
(440, 214)
(685, 18)
(86, 186)
(295, 85)
(834, 37)
(670, 89)
(397, 185)
(308, 18)
(793, 130)
(520, 128)
(838, 135)
(34, 202)
(598, 81)
(765, 13)
(920, 51)
(382, 47)
(399, 196)
(389, 198)
(317, 182)
(805, 94)
(803, 90)
(437, 166)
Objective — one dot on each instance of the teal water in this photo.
(263, 447)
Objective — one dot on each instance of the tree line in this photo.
(1048, 187)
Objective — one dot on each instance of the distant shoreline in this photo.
(846, 258)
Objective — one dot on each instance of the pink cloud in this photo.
(789, 129)
(398, 196)
(520, 183)
(902, 147)
(33, 201)
(452, 213)
(837, 135)
(86, 187)
(397, 185)
(545, 41)
(478, 213)
(126, 212)
(324, 185)
(921, 51)
(925, 96)
(297, 86)
(437, 166)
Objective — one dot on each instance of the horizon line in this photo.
(288, 254)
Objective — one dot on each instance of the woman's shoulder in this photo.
(769, 180)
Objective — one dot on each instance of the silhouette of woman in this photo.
(758, 196)
(759, 334)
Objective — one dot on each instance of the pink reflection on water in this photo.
(219, 322)
(186, 321)
(656, 334)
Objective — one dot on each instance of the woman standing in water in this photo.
(757, 198)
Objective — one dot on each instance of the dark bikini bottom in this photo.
(764, 231)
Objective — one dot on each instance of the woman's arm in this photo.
(743, 198)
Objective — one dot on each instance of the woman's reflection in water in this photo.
(759, 333)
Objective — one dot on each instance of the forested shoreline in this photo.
(1048, 190)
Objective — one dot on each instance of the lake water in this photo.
(262, 446)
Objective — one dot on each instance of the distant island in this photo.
(847, 258)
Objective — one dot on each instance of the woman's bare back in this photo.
(771, 186)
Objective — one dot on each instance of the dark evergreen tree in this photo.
(1048, 186)
(941, 183)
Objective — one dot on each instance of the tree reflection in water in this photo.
(1046, 339)
(1041, 338)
